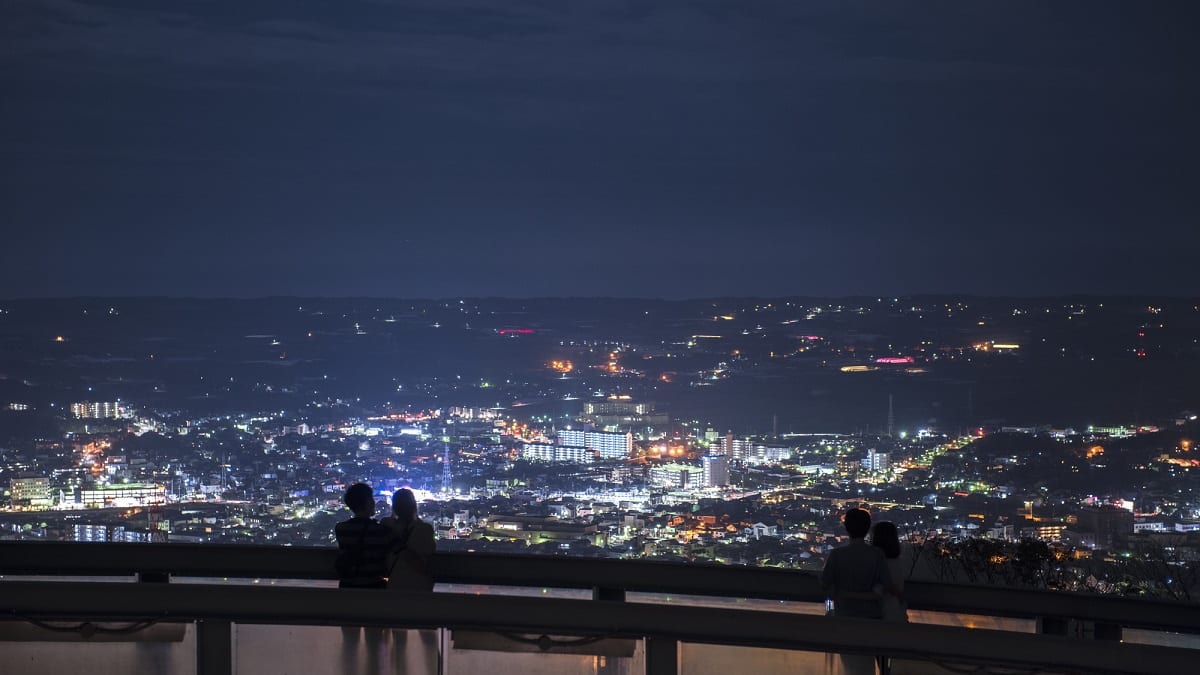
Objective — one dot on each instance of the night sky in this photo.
(434, 148)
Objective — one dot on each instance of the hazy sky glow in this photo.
(660, 148)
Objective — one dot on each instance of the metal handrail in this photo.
(459, 611)
(616, 576)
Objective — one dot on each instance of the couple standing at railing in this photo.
(865, 580)
(394, 552)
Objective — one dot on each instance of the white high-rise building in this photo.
(716, 470)
(608, 445)
(752, 452)
(768, 454)
(679, 476)
(734, 448)
(29, 490)
(545, 452)
(87, 532)
(123, 495)
(97, 410)
(876, 460)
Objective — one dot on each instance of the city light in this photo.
(627, 451)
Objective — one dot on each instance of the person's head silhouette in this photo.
(360, 500)
(404, 505)
(886, 537)
(857, 522)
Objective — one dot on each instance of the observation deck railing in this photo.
(606, 615)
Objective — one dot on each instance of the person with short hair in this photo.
(852, 577)
(362, 542)
(853, 572)
(363, 546)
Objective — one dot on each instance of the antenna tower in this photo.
(446, 469)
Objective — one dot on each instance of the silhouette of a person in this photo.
(412, 546)
(362, 542)
(852, 576)
(854, 572)
(363, 546)
(410, 569)
(886, 538)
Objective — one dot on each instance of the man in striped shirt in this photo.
(362, 542)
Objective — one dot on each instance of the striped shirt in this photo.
(364, 546)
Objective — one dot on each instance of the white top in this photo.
(409, 566)
(894, 608)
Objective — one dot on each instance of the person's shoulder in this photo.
(349, 531)
(871, 552)
(377, 526)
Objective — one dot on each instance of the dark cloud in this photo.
(645, 148)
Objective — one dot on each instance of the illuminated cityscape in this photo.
(767, 428)
(596, 333)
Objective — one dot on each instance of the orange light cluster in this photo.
(563, 366)
(95, 447)
(1181, 461)
(1095, 451)
(523, 432)
(664, 450)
